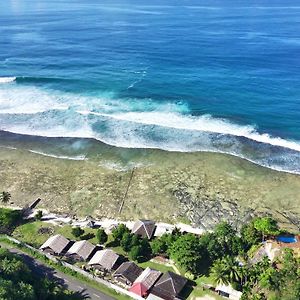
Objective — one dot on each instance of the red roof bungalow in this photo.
(139, 289)
(145, 282)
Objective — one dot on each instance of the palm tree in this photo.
(232, 269)
(5, 197)
(219, 272)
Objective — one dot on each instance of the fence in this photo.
(115, 287)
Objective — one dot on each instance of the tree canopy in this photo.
(18, 282)
(186, 251)
(266, 225)
(101, 236)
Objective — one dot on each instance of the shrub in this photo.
(77, 231)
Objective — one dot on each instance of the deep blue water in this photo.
(176, 75)
(287, 239)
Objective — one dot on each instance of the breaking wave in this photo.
(136, 123)
(7, 79)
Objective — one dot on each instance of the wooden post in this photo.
(126, 192)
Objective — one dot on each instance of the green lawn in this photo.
(199, 292)
(29, 233)
(156, 266)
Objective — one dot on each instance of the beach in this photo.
(197, 188)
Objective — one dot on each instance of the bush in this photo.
(87, 236)
(118, 233)
(39, 215)
(101, 236)
(136, 253)
(9, 219)
(77, 231)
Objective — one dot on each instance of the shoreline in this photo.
(20, 138)
(198, 188)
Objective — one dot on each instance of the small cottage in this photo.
(81, 251)
(56, 245)
(144, 228)
(105, 260)
(169, 286)
(127, 273)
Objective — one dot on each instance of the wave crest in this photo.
(135, 123)
(7, 79)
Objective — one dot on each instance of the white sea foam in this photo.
(137, 124)
(200, 123)
(77, 157)
(7, 79)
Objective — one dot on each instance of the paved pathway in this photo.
(63, 279)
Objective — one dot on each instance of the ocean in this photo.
(177, 75)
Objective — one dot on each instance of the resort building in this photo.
(228, 291)
(56, 245)
(145, 282)
(81, 250)
(127, 273)
(169, 286)
(105, 260)
(144, 228)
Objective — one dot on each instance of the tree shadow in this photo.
(112, 244)
(82, 295)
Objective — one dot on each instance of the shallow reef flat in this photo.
(200, 188)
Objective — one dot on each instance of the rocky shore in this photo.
(196, 188)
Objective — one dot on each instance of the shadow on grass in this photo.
(187, 290)
(112, 244)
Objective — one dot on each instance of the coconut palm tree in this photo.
(232, 269)
(5, 197)
(219, 272)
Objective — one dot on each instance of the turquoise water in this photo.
(176, 75)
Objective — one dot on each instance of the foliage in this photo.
(250, 235)
(280, 280)
(18, 282)
(266, 225)
(137, 248)
(101, 236)
(135, 253)
(227, 271)
(77, 231)
(118, 233)
(39, 215)
(87, 236)
(5, 197)
(159, 246)
(126, 241)
(186, 251)
(9, 219)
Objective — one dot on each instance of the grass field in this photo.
(30, 233)
(156, 266)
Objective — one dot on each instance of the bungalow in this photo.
(105, 260)
(56, 245)
(144, 228)
(169, 286)
(81, 250)
(145, 282)
(228, 291)
(127, 273)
